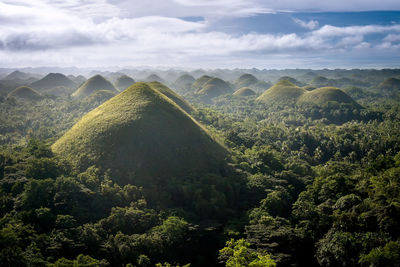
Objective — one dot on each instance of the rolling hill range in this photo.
(143, 138)
(25, 93)
(95, 83)
(52, 80)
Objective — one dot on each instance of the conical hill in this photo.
(124, 82)
(53, 80)
(244, 91)
(25, 93)
(143, 138)
(95, 83)
(282, 92)
(323, 95)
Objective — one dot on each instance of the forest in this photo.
(244, 167)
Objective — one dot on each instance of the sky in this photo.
(264, 34)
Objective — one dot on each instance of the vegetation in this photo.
(134, 180)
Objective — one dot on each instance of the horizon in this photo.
(186, 34)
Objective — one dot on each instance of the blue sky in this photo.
(194, 33)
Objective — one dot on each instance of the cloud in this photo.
(311, 25)
(63, 32)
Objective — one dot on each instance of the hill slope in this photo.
(171, 95)
(95, 83)
(143, 138)
(282, 92)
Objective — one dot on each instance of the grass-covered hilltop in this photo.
(93, 84)
(143, 138)
(241, 167)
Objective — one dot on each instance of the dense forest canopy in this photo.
(200, 168)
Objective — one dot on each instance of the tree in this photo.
(238, 254)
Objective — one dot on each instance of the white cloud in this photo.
(311, 25)
(392, 38)
(62, 32)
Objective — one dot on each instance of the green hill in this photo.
(154, 78)
(17, 75)
(144, 138)
(25, 93)
(246, 80)
(52, 80)
(390, 84)
(214, 87)
(96, 83)
(291, 79)
(282, 92)
(185, 81)
(323, 95)
(124, 82)
(244, 91)
(171, 95)
(201, 81)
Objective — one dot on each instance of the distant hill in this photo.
(244, 91)
(154, 78)
(214, 87)
(321, 81)
(52, 80)
(184, 82)
(144, 138)
(390, 84)
(246, 80)
(123, 82)
(282, 92)
(324, 95)
(201, 81)
(19, 75)
(25, 93)
(78, 80)
(291, 79)
(95, 83)
(171, 95)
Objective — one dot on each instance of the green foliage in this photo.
(80, 261)
(389, 255)
(237, 253)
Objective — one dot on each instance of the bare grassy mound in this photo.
(143, 138)
(95, 83)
